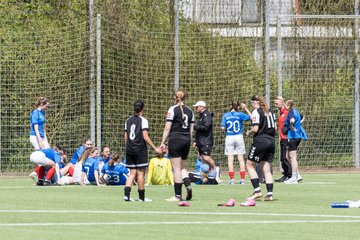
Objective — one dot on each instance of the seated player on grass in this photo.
(113, 172)
(160, 171)
(204, 176)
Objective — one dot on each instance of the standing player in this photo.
(285, 164)
(204, 135)
(178, 128)
(232, 123)
(295, 134)
(38, 138)
(263, 147)
(136, 137)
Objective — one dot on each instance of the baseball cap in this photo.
(200, 103)
(280, 98)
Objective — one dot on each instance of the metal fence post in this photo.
(356, 87)
(176, 45)
(92, 70)
(98, 81)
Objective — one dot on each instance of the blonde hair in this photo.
(87, 152)
(262, 103)
(180, 97)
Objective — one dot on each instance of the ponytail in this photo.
(180, 97)
(114, 158)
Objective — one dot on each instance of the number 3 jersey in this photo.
(233, 122)
(134, 126)
(180, 123)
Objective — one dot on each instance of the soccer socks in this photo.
(50, 174)
(231, 175)
(41, 173)
(177, 188)
(269, 187)
(71, 171)
(127, 191)
(255, 183)
(242, 175)
(141, 194)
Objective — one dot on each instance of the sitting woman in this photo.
(114, 172)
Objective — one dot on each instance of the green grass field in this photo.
(73, 212)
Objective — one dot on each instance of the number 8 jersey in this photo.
(134, 126)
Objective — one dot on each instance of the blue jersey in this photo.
(52, 155)
(90, 166)
(116, 174)
(77, 154)
(300, 132)
(198, 165)
(105, 161)
(232, 122)
(37, 117)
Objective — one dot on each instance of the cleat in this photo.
(47, 183)
(299, 177)
(34, 176)
(282, 179)
(40, 182)
(268, 198)
(292, 180)
(248, 203)
(255, 195)
(242, 182)
(188, 193)
(145, 200)
(184, 204)
(128, 199)
(232, 182)
(174, 199)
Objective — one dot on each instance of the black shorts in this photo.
(205, 150)
(179, 146)
(262, 149)
(293, 144)
(136, 160)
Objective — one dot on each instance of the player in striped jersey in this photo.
(136, 138)
(263, 129)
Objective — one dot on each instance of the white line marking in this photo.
(180, 213)
(174, 223)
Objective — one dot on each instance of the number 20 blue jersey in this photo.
(232, 122)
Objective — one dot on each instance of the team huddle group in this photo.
(87, 167)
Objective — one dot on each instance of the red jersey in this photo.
(282, 118)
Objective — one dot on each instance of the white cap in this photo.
(200, 103)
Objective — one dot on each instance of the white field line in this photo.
(183, 213)
(175, 223)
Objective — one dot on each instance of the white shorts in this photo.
(35, 144)
(40, 159)
(234, 145)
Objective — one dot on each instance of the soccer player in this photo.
(204, 134)
(160, 171)
(90, 169)
(285, 163)
(113, 172)
(48, 158)
(178, 128)
(263, 147)
(136, 136)
(87, 143)
(204, 176)
(104, 156)
(38, 137)
(295, 134)
(232, 123)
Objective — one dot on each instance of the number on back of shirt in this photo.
(132, 132)
(233, 126)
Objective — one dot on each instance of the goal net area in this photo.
(215, 49)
